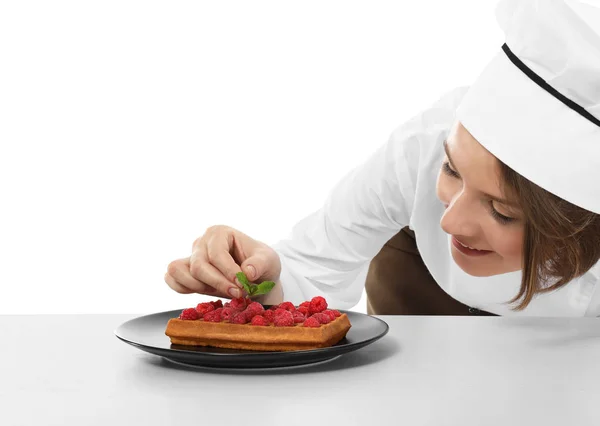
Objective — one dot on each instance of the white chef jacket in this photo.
(328, 253)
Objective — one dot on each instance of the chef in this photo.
(486, 203)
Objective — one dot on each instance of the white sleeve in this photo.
(328, 253)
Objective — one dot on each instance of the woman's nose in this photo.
(459, 217)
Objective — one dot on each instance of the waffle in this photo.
(257, 338)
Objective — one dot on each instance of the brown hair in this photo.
(561, 240)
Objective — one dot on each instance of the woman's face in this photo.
(487, 231)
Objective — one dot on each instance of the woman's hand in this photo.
(216, 257)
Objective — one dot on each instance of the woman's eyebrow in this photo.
(449, 156)
(491, 197)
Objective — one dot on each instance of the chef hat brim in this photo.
(534, 133)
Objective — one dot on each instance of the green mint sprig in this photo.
(254, 289)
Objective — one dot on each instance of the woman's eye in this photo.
(503, 220)
(449, 171)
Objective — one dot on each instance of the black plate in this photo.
(148, 334)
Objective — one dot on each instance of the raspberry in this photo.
(279, 312)
(317, 304)
(307, 304)
(213, 316)
(284, 320)
(203, 308)
(255, 308)
(227, 304)
(249, 315)
(269, 315)
(298, 316)
(217, 303)
(274, 307)
(239, 318)
(226, 313)
(329, 313)
(312, 322)
(336, 313)
(303, 309)
(189, 314)
(239, 303)
(321, 317)
(262, 308)
(288, 306)
(259, 320)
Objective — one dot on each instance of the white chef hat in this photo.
(536, 106)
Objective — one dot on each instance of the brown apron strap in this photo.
(398, 283)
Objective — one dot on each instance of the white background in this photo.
(129, 127)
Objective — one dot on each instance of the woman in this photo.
(496, 184)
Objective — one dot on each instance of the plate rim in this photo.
(253, 369)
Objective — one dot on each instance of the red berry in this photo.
(239, 303)
(226, 313)
(303, 309)
(279, 312)
(321, 317)
(288, 306)
(259, 320)
(269, 315)
(203, 308)
(285, 319)
(312, 322)
(330, 314)
(336, 313)
(249, 315)
(239, 318)
(255, 308)
(298, 316)
(256, 304)
(217, 303)
(307, 304)
(189, 314)
(317, 304)
(274, 307)
(227, 304)
(213, 316)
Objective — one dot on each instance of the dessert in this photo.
(247, 325)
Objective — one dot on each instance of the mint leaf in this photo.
(253, 289)
(264, 287)
(244, 281)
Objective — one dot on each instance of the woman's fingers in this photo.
(203, 271)
(179, 278)
(171, 282)
(218, 248)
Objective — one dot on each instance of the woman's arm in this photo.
(328, 252)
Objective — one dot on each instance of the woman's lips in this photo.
(463, 248)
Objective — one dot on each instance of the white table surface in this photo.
(72, 370)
